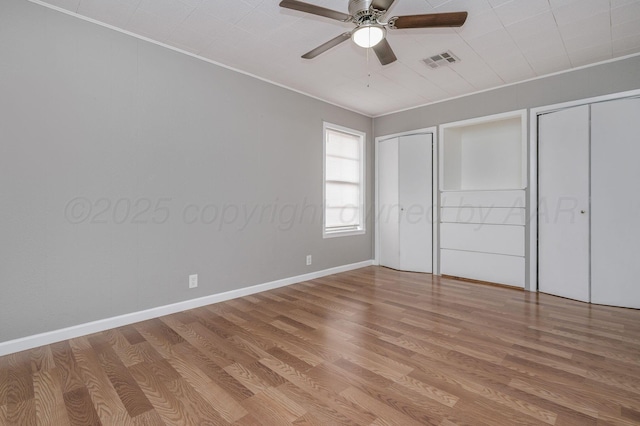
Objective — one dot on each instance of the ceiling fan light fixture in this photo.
(368, 35)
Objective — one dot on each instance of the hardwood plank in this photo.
(266, 374)
(80, 343)
(21, 412)
(162, 369)
(159, 331)
(80, 408)
(67, 367)
(106, 400)
(426, 390)
(168, 406)
(4, 380)
(247, 377)
(292, 322)
(273, 407)
(287, 342)
(347, 408)
(188, 362)
(250, 348)
(197, 337)
(130, 354)
(559, 399)
(631, 413)
(290, 359)
(49, 398)
(149, 418)
(324, 413)
(403, 399)
(382, 411)
(42, 359)
(3, 415)
(134, 400)
(132, 335)
(248, 420)
(19, 379)
(228, 408)
(203, 411)
(366, 375)
(329, 377)
(488, 391)
(484, 412)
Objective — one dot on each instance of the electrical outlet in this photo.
(193, 281)
(308, 259)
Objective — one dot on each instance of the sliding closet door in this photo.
(388, 203)
(615, 198)
(563, 203)
(415, 196)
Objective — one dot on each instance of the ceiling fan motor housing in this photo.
(361, 11)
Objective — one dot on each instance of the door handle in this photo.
(583, 211)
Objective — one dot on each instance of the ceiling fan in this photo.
(370, 31)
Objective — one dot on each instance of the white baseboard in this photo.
(36, 340)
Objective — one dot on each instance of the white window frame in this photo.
(363, 142)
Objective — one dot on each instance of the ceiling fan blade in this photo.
(315, 10)
(431, 20)
(384, 52)
(326, 46)
(382, 4)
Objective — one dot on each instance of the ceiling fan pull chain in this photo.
(368, 70)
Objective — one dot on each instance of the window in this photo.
(343, 181)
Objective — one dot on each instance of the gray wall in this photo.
(92, 121)
(599, 80)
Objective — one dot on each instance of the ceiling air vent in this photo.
(442, 60)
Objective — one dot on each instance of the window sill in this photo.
(349, 233)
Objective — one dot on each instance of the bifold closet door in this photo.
(388, 203)
(415, 177)
(563, 203)
(405, 173)
(615, 200)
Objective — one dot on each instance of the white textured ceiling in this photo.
(503, 41)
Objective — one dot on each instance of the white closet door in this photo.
(615, 218)
(563, 196)
(388, 204)
(415, 196)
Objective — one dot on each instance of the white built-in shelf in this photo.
(487, 153)
(482, 200)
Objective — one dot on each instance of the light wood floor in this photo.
(372, 346)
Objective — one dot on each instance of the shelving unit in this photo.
(485, 154)
(483, 178)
